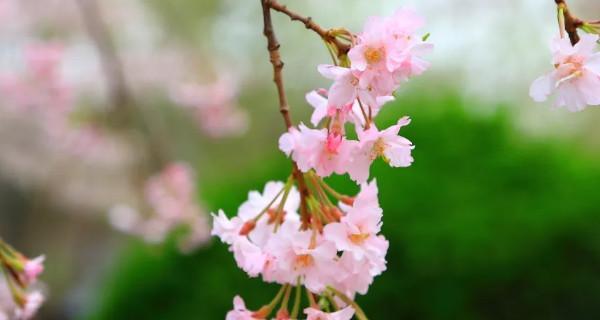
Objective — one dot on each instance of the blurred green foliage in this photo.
(486, 224)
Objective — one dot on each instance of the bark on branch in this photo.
(275, 58)
(571, 22)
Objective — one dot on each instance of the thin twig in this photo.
(275, 58)
(111, 63)
(119, 93)
(310, 24)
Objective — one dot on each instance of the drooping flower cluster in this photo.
(576, 75)
(386, 54)
(19, 298)
(266, 239)
(213, 106)
(313, 236)
(171, 197)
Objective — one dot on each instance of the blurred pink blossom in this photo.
(171, 197)
(214, 106)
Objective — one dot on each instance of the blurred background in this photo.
(498, 218)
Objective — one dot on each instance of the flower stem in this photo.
(268, 206)
(286, 298)
(330, 190)
(311, 299)
(297, 300)
(360, 314)
(364, 113)
(266, 310)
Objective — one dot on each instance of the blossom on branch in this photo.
(314, 237)
(576, 75)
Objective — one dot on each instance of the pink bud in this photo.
(33, 268)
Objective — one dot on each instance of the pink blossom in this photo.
(228, 230)
(373, 50)
(33, 301)
(33, 268)
(214, 106)
(303, 254)
(318, 150)
(40, 87)
(576, 77)
(315, 314)
(386, 53)
(395, 150)
(259, 201)
(408, 49)
(239, 311)
(353, 276)
(347, 87)
(250, 248)
(321, 106)
(249, 257)
(171, 195)
(357, 230)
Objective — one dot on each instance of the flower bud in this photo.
(282, 315)
(347, 200)
(247, 227)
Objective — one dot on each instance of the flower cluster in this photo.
(266, 239)
(576, 74)
(21, 277)
(171, 196)
(385, 54)
(312, 236)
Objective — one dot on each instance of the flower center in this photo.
(304, 261)
(333, 142)
(373, 55)
(378, 149)
(359, 238)
(575, 70)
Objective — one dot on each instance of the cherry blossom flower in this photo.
(299, 254)
(347, 87)
(318, 150)
(214, 106)
(33, 268)
(357, 230)
(39, 87)
(248, 256)
(321, 105)
(394, 149)
(239, 311)
(315, 314)
(171, 195)
(33, 302)
(576, 77)
(228, 230)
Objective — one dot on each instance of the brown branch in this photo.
(275, 58)
(571, 21)
(126, 111)
(310, 24)
(109, 59)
